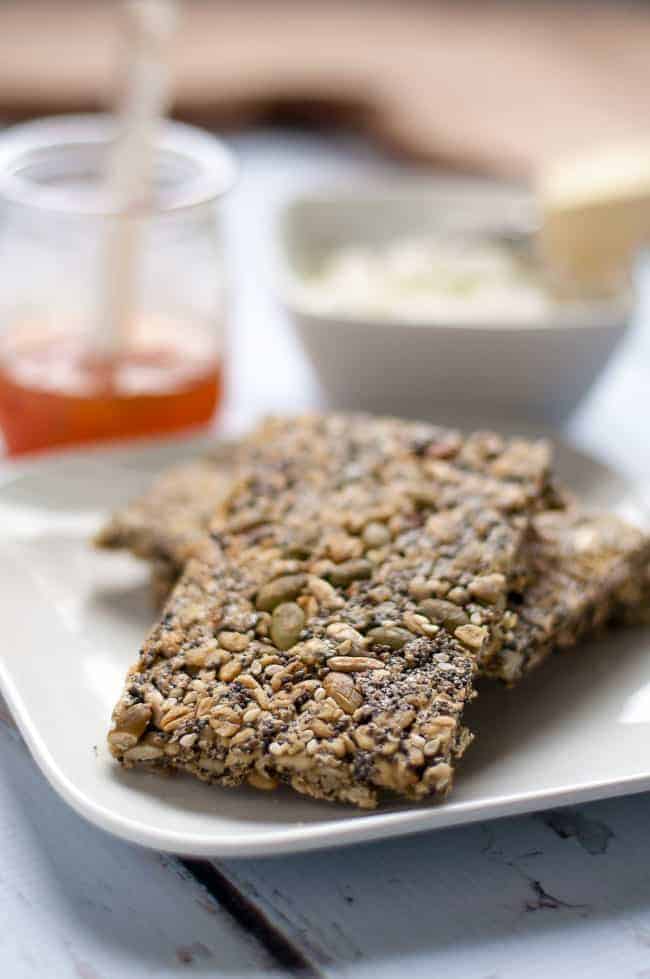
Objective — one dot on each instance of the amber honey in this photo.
(54, 391)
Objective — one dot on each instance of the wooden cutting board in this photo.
(486, 86)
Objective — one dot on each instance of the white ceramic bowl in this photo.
(465, 373)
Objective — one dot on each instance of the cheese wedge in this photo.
(595, 215)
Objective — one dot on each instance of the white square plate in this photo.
(74, 618)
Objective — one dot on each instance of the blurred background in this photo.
(332, 94)
(479, 86)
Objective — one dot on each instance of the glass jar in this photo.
(65, 377)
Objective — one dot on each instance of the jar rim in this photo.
(214, 164)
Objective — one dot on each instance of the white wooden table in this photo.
(556, 894)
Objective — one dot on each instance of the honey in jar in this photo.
(65, 378)
(55, 390)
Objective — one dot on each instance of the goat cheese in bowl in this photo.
(448, 278)
(427, 301)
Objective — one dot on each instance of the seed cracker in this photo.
(357, 577)
(586, 570)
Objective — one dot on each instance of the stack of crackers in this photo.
(332, 587)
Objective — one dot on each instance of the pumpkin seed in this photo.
(349, 571)
(391, 636)
(283, 589)
(443, 613)
(287, 624)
